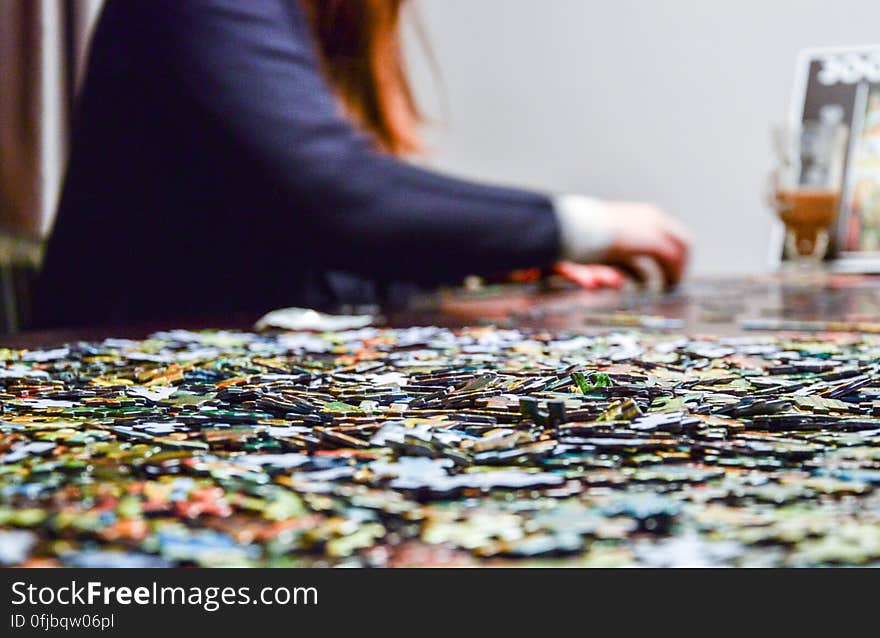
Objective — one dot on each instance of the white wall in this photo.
(670, 101)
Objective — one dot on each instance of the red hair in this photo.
(359, 45)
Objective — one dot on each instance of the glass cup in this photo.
(806, 184)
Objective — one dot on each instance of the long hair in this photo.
(360, 50)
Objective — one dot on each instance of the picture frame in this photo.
(846, 78)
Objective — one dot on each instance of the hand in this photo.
(590, 276)
(640, 230)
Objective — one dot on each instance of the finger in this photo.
(684, 250)
(671, 259)
(586, 281)
(578, 274)
(628, 268)
(607, 276)
(685, 243)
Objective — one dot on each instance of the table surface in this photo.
(707, 306)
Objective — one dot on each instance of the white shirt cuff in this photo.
(585, 227)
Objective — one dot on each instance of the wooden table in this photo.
(703, 306)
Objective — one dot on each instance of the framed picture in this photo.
(847, 80)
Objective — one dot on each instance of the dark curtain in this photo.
(42, 48)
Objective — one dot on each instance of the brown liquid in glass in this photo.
(805, 212)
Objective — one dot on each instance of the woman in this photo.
(237, 156)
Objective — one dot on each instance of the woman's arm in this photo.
(250, 69)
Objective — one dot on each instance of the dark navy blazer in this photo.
(211, 172)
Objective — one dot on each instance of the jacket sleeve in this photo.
(252, 73)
